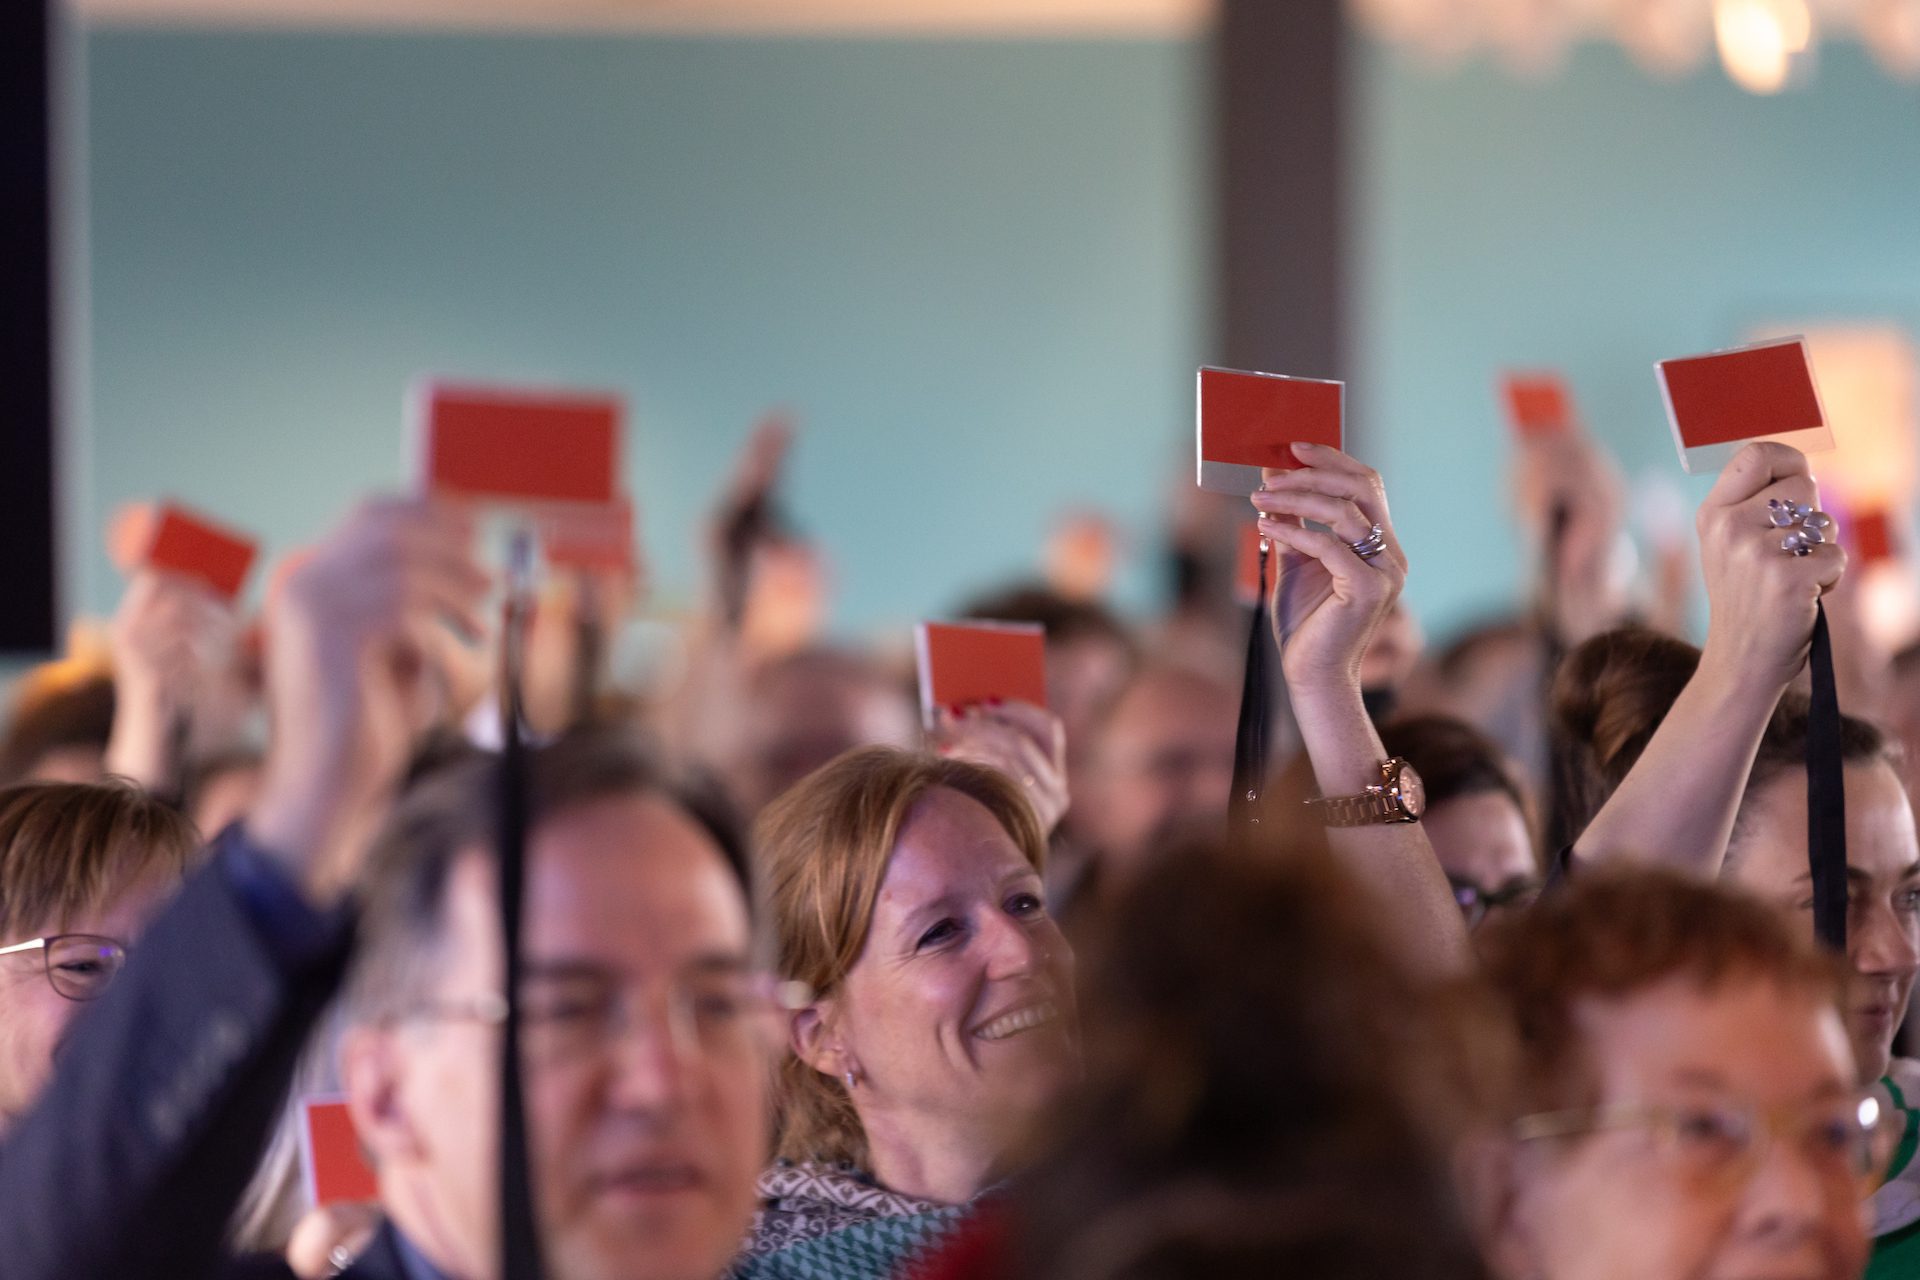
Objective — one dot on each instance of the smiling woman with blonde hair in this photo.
(905, 893)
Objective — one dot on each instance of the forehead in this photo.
(1751, 1037)
(1881, 840)
(950, 843)
(1481, 836)
(629, 882)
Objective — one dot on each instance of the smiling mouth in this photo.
(1012, 1024)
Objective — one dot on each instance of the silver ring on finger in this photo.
(1372, 545)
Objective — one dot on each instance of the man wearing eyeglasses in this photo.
(82, 868)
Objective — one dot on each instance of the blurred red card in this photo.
(1721, 401)
(1870, 536)
(1246, 566)
(187, 543)
(597, 538)
(962, 664)
(336, 1169)
(509, 444)
(1538, 404)
(1249, 420)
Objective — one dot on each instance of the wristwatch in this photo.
(1400, 797)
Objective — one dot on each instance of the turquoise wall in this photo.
(1598, 222)
(973, 268)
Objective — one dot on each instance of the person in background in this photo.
(905, 894)
(83, 867)
(1265, 1092)
(59, 724)
(1478, 818)
(175, 651)
(1688, 1107)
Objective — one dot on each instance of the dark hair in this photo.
(1612, 692)
(1453, 759)
(455, 809)
(1613, 933)
(1264, 1091)
(56, 708)
(1065, 620)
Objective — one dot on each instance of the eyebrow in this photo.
(946, 901)
(570, 969)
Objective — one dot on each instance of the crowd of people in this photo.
(1512, 971)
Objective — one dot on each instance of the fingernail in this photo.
(994, 702)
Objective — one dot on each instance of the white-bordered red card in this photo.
(1247, 421)
(332, 1164)
(1723, 400)
(964, 664)
(518, 445)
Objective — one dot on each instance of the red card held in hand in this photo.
(1721, 401)
(517, 445)
(1247, 421)
(189, 544)
(964, 664)
(336, 1169)
(595, 538)
(1537, 404)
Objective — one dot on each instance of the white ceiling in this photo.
(789, 17)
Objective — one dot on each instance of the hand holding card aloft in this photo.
(589, 539)
(1718, 402)
(515, 445)
(965, 664)
(1249, 421)
(189, 544)
(1537, 404)
(334, 1167)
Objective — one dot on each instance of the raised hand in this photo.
(1025, 742)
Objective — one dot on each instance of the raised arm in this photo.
(1678, 802)
(1330, 600)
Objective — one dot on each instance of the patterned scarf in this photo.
(826, 1222)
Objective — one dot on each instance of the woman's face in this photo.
(1674, 1199)
(960, 1009)
(1482, 843)
(1769, 857)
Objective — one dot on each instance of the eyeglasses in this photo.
(80, 966)
(1475, 902)
(720, 1015)
(1718, 1146)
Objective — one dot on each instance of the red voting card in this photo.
(1721, 401)
(962, 664)
(1246, 568)
(592, 538)
(1870, 536)
(509, 444)
(330, 1156)
(1538, 404)
(1248, 421)
(189, 544)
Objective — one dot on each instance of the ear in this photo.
(372, 1069)
(811, 1036)
(1487, 1169)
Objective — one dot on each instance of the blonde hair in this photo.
(67, 848)
(822, 850)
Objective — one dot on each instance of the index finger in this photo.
(1754, 468)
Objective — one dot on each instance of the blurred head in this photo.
(220, 790)
(83, 866)
(1478, 816)
(1163, 760)
(1263, 1092)
(58, 727)
(1610, 697)
(647, 1042)
(1688, 1106)
(802, 710)
(905, 891)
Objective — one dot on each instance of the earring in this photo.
(851, 1078)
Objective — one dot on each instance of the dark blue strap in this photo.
(1826, 794)
(1250, 740)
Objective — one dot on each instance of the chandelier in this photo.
(1765, 45)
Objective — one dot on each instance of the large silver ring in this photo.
(1372, 545)
(1806, 527)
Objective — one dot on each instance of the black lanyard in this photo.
(1826, 794)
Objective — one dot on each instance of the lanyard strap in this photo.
(1826, 794)
(1250, 740)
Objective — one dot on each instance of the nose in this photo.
(1012, 949)
(649, 1063)
(1885, 945)
(1792, 1205)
